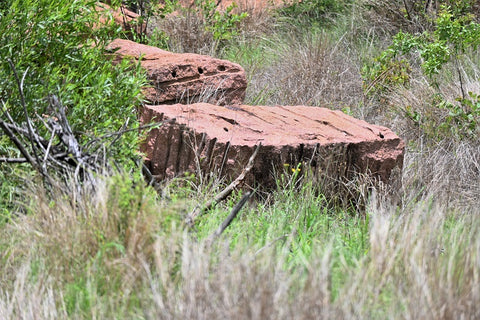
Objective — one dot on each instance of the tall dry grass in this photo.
(189, 31)
(423, 261)
(311, 69)
(440, 160)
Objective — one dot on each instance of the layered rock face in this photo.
(184, 78)
(208, 138)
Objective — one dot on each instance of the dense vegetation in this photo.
(123, 250)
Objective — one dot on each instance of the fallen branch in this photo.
(225, 193)
(5, 128)
(231, 216)
(48, 143)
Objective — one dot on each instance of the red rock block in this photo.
(184, 78)
(207, 138)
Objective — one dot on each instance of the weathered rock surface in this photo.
(221, 139)
(184, 78)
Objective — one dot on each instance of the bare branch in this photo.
(17, 143)
(44, 164)
(13, 160)
(92, 144)
(24, 105)
(124, 126)
(224, 158)
(231, 216)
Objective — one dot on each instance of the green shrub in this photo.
(412, 15)
(222, 25)
(452, 38)
(57, 48)
(200, 28)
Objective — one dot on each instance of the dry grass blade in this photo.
(313, 70)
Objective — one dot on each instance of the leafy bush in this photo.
(200, 28)
(412, 15)
(452, 38)
(222, 25)
(57, 49)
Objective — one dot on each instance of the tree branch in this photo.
(25, 111)
(231, 216)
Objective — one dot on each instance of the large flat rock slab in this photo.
(206, 138)
(184, 78)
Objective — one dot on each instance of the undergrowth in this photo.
(124, 253)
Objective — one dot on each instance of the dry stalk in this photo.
(229, 219)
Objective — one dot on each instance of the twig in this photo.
(230, 217)
(313, 154)
(409, 17)
(197, 156)
(13, 160)
(460, 78)
(117, 137)
(226, 192)
(6, 113)
(47, 152)
(24, 132)
(271, 244)
(224, 158)
(147, 173)
(27, 118)
(17, 143)
(93, 141)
